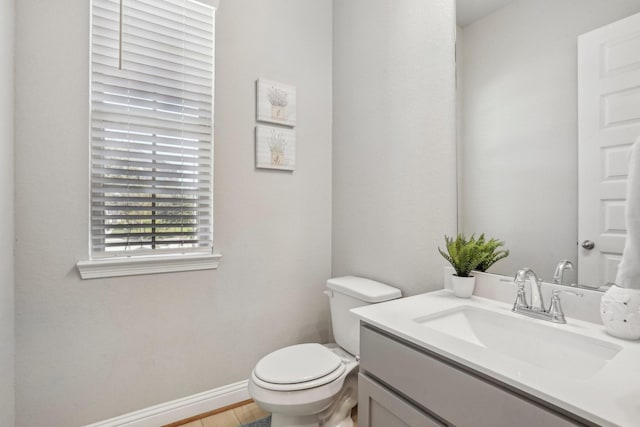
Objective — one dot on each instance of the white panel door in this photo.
(608, 123)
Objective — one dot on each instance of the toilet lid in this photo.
(297, 364)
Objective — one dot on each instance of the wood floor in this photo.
(240, 415)
(231, 418)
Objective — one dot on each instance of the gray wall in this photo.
(90, 350)
(519, 126)
(394, 180)
(7, 342)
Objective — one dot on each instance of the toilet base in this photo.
(338, 414)
(281, 420)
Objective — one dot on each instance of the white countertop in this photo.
(611, 397)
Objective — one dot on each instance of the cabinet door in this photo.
(378, 407)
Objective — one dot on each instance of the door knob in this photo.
(588, 245)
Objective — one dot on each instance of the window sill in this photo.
(132, 266)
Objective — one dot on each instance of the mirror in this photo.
(517, 124)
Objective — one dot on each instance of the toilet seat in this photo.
(298, 367)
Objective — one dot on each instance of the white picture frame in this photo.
(275, 102)
(275, 148)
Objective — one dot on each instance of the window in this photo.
(151, 128)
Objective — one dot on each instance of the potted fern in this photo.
(464, 255)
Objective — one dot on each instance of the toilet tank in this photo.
(350, 292)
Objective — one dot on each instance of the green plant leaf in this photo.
(463, 254)
(492, 252)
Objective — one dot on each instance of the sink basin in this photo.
(532, 342)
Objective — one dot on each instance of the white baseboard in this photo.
(180, 409)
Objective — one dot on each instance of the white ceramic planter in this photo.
(463, 286)
(620, 311)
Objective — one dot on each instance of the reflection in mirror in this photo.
(518, 124)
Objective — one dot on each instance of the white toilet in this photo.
(315, 385)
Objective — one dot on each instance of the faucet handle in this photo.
(556, 293)
(555, 308)
(521, 296)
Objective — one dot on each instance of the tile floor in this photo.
(241, 415)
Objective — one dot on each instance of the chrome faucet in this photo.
(563, 265)
(536, 293)
(537, 309)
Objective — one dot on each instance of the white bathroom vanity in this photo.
(437, 360)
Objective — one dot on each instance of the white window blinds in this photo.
(151, 127)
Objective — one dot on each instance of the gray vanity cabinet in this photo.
(379, 407)
(401, 384)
